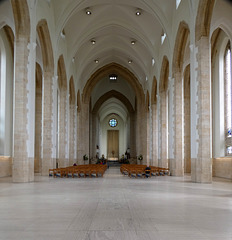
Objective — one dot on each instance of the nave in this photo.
(115, 207)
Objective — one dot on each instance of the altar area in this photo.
(112, 159)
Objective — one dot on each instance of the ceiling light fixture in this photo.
(93, 41)
(96, 61)
(129, 61)
(62, 34)
(88, 11)
(113, 77)
(138, 12)
(153, 61)
(133, 42)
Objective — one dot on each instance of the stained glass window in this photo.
(113, 122)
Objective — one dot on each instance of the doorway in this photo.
(113, 145)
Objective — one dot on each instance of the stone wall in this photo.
(222, 167)
(5, 166)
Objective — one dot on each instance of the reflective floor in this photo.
(115, 207)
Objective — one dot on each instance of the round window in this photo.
(113, 122)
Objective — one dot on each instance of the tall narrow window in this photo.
(228, 98)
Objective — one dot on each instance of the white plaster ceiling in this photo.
(113, 24)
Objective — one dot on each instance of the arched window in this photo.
(228, 98)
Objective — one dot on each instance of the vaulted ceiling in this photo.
(113, 25)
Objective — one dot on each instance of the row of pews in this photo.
(90, 170)
(134, 170)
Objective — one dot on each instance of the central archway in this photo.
(139, 116)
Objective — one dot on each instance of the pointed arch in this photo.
(78, 101)
(72, 97)
(61, 72)
(203, 19)
(180, 44)
(21, 17)
(147, 101)
(108, 69)
(214, 40)
(46, 45)
(163, 85)
(10, 36)
(154, 91)
(113, 94)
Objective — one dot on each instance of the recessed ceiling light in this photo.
(62, 34)
(88, 11)
(129, 61)
(138, 12)
(133, 42)
(93, 41)
(96, 61)
(153, 61)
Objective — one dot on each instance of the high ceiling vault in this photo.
(113, 32)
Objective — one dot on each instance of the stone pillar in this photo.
(83, 133)
(47, 121)
(75, 135)
(141, 138)
(178, 164)
(72, 110)
(63, 162)
(38, 123)
(201, 161)
(148, 137)
(132, 136)
(163, 161)
(21, 170)
(187, 130)
(94, 135)
(155, 135)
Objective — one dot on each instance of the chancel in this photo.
(115, 119)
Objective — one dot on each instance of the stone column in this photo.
(94, 136)
(47, 121)
(21, 170)
(38, 123)
(83, 133)
(178, 163)
(155, 135)
(132, 136)
(201, 161)
(163, 161)
(141, 137)
(63, 162)
(72, 110)
(148, 137)
(75, 135)
(187, 130)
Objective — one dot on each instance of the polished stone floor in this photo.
(115, 207)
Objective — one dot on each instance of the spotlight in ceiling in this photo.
(129, 61)
(62, 34)
(88, 11)
(138, 12)
(93, 41)
(133, 42)
(96, 61)
(153, 61)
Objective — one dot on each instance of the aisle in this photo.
(115, 207)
